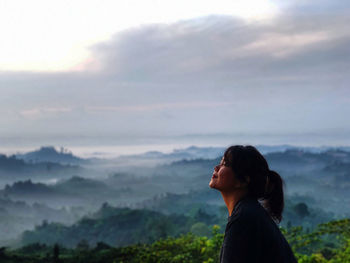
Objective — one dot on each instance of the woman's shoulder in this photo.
(248, 208)
(243, 224)
(250, 214)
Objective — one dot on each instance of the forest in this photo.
(329, 242)
(156, 207)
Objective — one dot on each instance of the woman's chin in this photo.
(212, 183)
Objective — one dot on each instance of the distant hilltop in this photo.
(195, 152)
(50, 154)
(65, 156)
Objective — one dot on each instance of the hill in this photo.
(11, 167)
(114, 226)
(50, 154)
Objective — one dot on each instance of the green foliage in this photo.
(329, 242)
(200, 229)
(119, 227)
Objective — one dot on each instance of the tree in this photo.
(83, 245)
(200, 229)
(301, 209)
(56, 253)
(2, 252)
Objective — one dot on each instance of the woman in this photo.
(254, 198)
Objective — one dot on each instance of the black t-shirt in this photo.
(251, 235)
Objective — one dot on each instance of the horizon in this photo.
(110, 152)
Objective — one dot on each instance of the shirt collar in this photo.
(238, 204)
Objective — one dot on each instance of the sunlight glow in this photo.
(43, 35)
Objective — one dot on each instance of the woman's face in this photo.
(224, 179)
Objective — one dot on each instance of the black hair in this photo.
(264, 184)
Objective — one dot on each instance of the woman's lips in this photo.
(214, 176)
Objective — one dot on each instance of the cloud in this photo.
(210, 75)
(216, 48)
(162, 106)
(43, 112)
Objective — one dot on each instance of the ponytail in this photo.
(274, 197)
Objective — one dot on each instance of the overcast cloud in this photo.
(209, 76)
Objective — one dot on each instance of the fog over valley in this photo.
(53, 186)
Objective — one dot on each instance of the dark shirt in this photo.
(251, 235)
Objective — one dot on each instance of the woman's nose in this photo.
(216, 168)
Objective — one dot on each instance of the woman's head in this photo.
(243, 168)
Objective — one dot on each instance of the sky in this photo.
(135, 73)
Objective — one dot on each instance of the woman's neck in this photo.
(232, 198)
